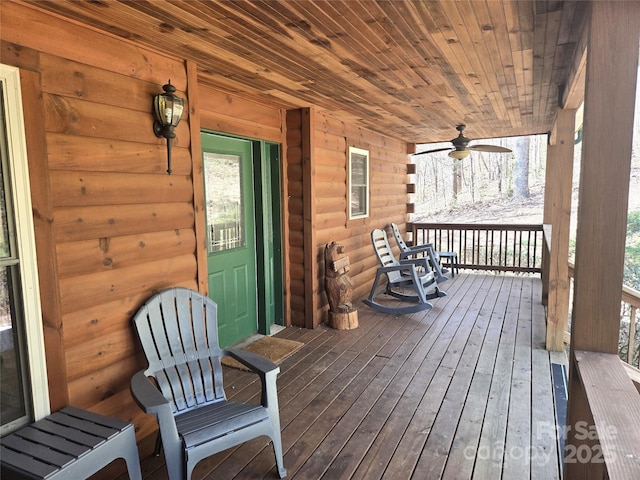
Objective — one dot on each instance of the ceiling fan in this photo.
(461, 148)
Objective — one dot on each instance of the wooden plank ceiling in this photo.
(411, 69)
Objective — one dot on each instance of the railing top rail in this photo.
(631, 296)
(479, 226)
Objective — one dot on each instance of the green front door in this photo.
(231, 261)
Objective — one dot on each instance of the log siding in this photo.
(112, 227)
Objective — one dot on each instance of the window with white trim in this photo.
(358, 183)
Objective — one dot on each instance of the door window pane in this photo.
(223, 184)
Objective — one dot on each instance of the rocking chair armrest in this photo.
(147, 395)
(417, 249)
(418, 262)
(395, 268)
(257, 363)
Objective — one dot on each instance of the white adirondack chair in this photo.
(178, 329)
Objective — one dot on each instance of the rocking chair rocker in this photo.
(415, 274)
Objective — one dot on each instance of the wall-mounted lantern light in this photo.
(167, 109)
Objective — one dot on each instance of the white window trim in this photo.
(21, 196)
(358, 151)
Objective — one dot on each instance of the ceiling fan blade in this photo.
(489, 148)
(433, 151)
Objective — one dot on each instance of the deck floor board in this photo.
(461, 391)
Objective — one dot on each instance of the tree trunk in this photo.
(473, 183)
(521, 181)
(457, 178)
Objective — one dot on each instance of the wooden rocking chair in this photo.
(178, 329)
(414, 274)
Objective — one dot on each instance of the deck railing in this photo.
(506, 248)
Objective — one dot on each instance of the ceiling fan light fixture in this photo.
(460, 148)
(459, 154)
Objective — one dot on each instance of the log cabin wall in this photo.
(112, 227)
(387, 203)
(229, 114)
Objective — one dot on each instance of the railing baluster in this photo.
(473, 247)
(506, 247)
(464, 248)
(492, 236)
(528, 250)
(631, 346)
(486, 247)
(519, 249)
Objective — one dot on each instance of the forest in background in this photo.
(509, 188)
(502, 188)
(488, 188)
(456, 190)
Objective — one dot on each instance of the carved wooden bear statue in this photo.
(339, 288)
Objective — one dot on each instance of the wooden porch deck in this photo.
(461, 391)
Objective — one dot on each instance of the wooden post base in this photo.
(343, 321)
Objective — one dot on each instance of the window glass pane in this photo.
(223, 179)
(358, 183)
(358, 201)
(358, 169)
(11, 380)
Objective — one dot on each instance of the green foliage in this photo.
(633, 223)
(632, 266)
(632, 251)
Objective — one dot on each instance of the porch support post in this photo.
(311, 256)
(558, 194)
(546, 219)
(612, 67)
